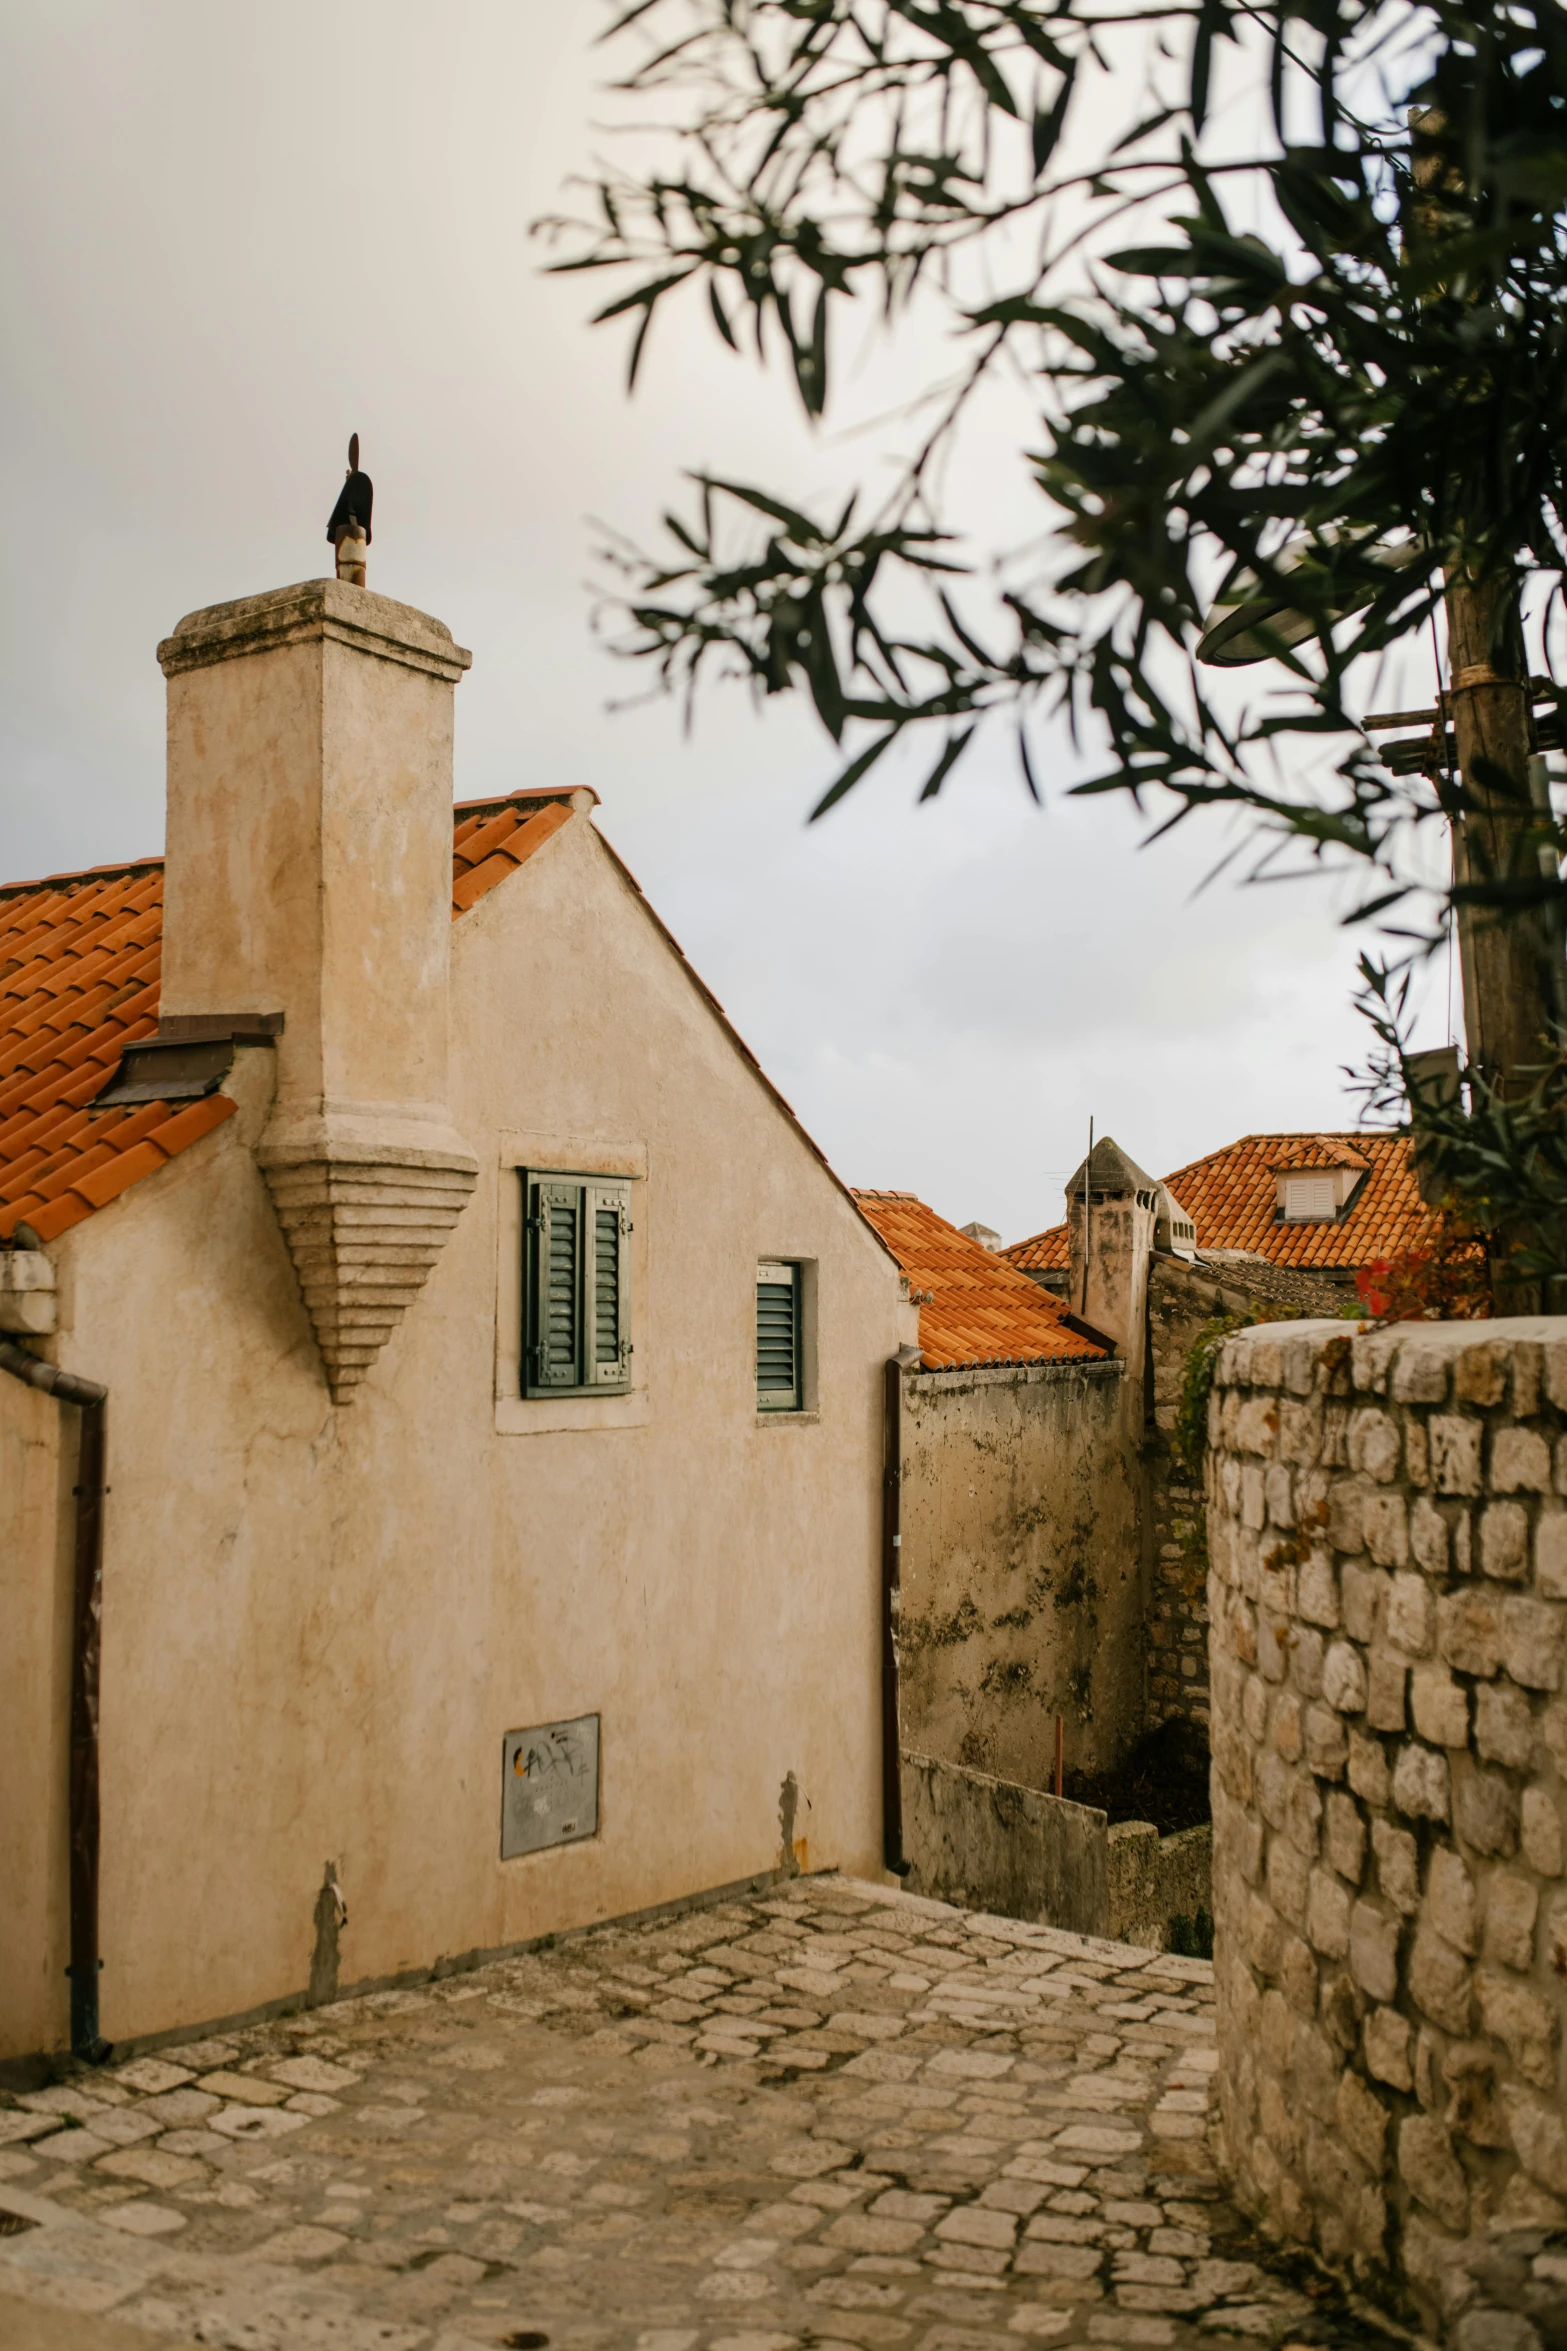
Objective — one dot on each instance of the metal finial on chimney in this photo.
(349, 529)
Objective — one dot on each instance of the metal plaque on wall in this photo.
(549, 1786)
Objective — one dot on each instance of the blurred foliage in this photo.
(1311, 346)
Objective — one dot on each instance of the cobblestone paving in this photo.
(826, 2116)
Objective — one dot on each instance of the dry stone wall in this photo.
(1388, 1593)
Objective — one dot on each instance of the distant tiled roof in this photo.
(1325, 1151)
(79, 967)
(1232, 1200)
(975, 1309)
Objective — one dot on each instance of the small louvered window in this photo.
(1309, 1200)
(576, 1303)
(778, 1337)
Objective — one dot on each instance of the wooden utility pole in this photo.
(1511, 958)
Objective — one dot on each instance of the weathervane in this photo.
(349, 528)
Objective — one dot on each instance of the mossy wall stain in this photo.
(1022, 1568)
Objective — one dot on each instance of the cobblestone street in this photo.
(824, 2115)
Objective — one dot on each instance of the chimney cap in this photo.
(1110, 1173)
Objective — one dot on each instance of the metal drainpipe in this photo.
(86, 1629)
(891, 1544)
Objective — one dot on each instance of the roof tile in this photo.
(975, 1308)
(1232, 1200)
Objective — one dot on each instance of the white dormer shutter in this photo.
(1308, 1199)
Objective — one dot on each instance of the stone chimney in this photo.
(1111, 1233)
(309, 873)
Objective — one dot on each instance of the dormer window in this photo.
(1308, 1199)
(1315, 1179)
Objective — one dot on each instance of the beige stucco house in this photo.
(492, 1530)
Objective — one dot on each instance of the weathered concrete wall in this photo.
(320, 1622)
(1022, 1583)
(1389, 1600)
(994, 1846)
(1027, 1854)
(38, 1443)
(1154, 1880)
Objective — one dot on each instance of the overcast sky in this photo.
(238, 234)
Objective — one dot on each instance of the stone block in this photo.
(1528, 1377)
(1298, 1974)
(1362, 1591)
(1523, 2024)
(1440, 1706)
(1254, 1497)
(1274, 1779)
(1373, 1950)
(1275, 2031)
(1538, 2132)
(1308, 1653)
(1504, 1541)
(1431, 2171)
(1419, 1374)
(1314, 2071)
(1254, 1709)
(1345, 1841)
(1327, 1744)
(1473, 2110)
(1284, 1726)
(1485, 1810)
(1520, 1462)
(1556, 1372)
(1398, 1866)
(1504, 1726)
(1541, 1833)
(1263, 1936)
(1417, 1453)
(1469, 1631)
(1386, 1527)
(1451, 1905)
(1387, 2036)
(1550, 1555)
(1411, 1615)
(1532, 1642)
(1255, 1429)
(1346, 1517)
(1327, 1915)
(1374, 1445)
(1385, 1691)
(1288, 1878)
(1362, 2121)
(1368, 1772)
(1278, 1495)
(1455, 1454)
(1428, 2087)
(1420, 1783)
(1317, 1591)
(1344, 1678)
(1439, 1981)
(1511, 1905)
(1480, 1374)
(1303, 1817)
(1428, 1537)
(1340, 2011)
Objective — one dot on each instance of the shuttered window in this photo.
(778, 1387)
(1309, 1200)
(576, 1286)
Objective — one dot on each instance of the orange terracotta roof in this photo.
(1322, 1151)
(975, 1309)
(1231, 1198)
(79, 969)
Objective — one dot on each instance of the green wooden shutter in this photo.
(778, 1338)
(607, 1209)
(557, 1284)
